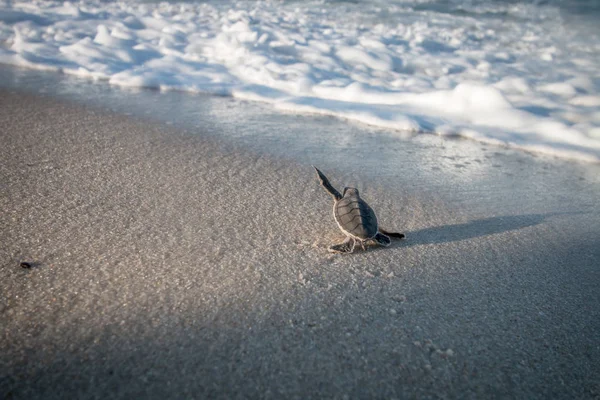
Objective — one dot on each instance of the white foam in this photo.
(514, 74)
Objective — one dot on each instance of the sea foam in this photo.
(518, 75)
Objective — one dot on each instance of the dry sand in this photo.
(170, 265)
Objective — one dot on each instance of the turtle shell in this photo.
(354, 216)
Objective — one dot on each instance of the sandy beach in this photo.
(169, 264)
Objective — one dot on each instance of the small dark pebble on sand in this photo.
(26, 265)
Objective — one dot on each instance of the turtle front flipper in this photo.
(347, 246)
(325, 183)
(382, 239)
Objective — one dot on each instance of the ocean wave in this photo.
(510, 73)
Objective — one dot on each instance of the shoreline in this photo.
(170, 264)
(191, 111)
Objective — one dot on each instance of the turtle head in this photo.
(350, 191)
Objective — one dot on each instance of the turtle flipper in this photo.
(325, 183)
(393, 234)
(382, 239)
(347, 246)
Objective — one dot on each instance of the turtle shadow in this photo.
(472, 229)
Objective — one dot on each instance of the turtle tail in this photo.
(393, 234)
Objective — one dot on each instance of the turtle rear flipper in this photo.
(393, 234)
(382, 239)
(347, 246)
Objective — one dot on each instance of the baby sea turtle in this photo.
(355, 218)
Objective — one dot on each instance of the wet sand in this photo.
(167, 264)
